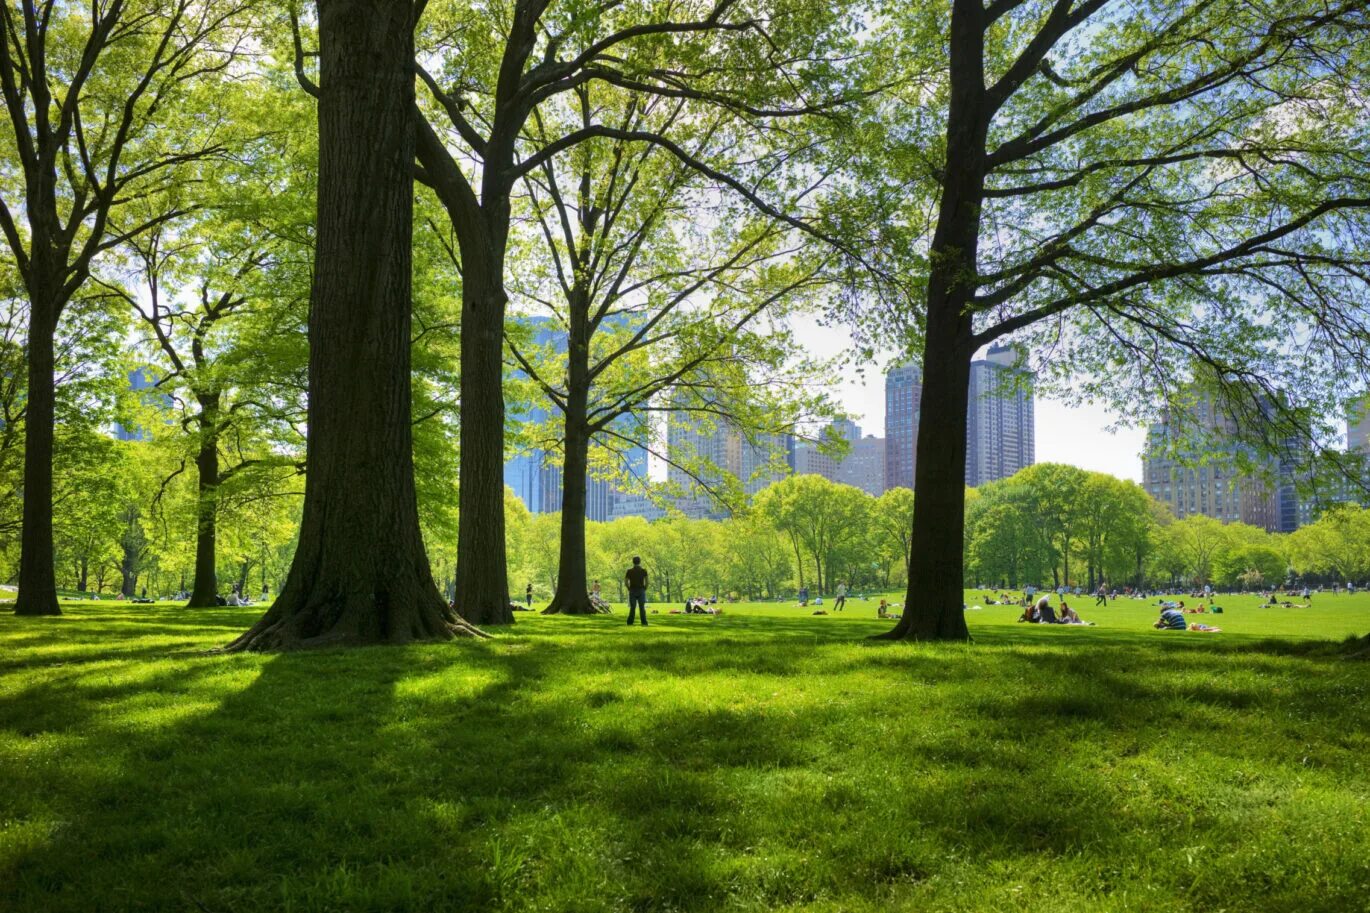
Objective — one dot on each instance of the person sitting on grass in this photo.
(1172, 619)
(1071, 617)
(1045, 613)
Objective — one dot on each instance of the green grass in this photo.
(761, 760)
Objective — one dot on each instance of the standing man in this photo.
(841, 597)
(636, 578)
(1101, 597)
(528, 595)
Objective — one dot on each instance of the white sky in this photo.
(1064, 435)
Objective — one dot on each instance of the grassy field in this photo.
(765, 759)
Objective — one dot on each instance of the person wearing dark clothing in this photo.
(1101, 597)
(636, 579)
(529, 595)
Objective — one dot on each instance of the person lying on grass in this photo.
(1206, 628)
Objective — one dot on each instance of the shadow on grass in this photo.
(579, 767)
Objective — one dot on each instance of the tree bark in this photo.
(205, 588)
(37, 572)
(934, 600)
(482, 596)
(360, 575)
(571, 596)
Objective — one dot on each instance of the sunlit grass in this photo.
(763, 759)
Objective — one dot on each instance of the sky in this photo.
(1077, 436)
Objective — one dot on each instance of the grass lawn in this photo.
(765, 759)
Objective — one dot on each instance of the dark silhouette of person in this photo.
(636, 578)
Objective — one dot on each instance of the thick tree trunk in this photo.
(360, 574)
(571, 596)
(934, 601)
(482, 596)
(37, 572)
(128, 578)
(205, 589)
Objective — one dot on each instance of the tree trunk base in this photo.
(943, 629)
(573, 606)
(315, 622)
(197, 602)
(485, 614)
(36, 607)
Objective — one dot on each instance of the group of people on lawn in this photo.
(1041, 613)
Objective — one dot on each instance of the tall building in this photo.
(1358, 427)
(533, 474)
(809, 460)
(768, 459)
(723, 450)
(1266, 495)
(864, 465)
(1000, 428)
(903, 398)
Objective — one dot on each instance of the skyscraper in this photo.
(1000, 428)
(718, 451)
(1358, 427)
(809, 460)
(533, 474)
(903, 398)
(864, 465)
(1264, 495)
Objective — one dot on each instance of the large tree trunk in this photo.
(205, 588)
(934, 598)
(482, 596)
(934, 601)
(571, 596)
(37, 572)
(360, 574)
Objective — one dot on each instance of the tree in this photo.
(502, 64)
(652, 300)
(360, 574)
(820, 515)
(757, 556)
(85, 91)
(1249, 566)
(892, 517)
(1169, 189)
(1337, 543)
(224, 382)
(1199, 540)
(1114, 515)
